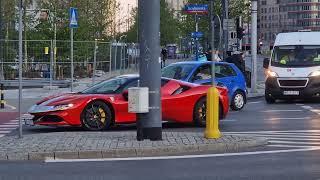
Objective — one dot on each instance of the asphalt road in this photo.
(293, 129)
(291, 166)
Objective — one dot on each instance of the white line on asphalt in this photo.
(248, 132)
(3, 125)
(282, 133)
(295, 139)
(304, 118)
(275, 135)
(228, 120)
(289, 146)
(256, 102)
(6, 128)
(278, 133)
(11, 107)
(1, 135)
(288, 110)
(15, 120)
(4, 132)
(11, 123)
(306, 107)
(50, 160)
(295, 142)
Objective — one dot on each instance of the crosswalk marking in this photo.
(286, 139)
(8, 127)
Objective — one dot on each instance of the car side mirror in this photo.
(125, 94)
(266, 63)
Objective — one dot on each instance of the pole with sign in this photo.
(20, 67)
(73, 24)
(196, 9)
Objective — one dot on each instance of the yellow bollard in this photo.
(212, 118)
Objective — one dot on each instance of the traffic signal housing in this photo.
(240, 30)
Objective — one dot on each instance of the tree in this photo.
(169, 25)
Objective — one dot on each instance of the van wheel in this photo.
(269, 99)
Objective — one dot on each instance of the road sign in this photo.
(73, 17)
(197, 34)
(229, 24)
(196, 9)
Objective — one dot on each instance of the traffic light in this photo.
(240, 30)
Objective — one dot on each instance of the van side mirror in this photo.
(266, 63)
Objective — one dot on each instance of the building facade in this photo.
(176, 4)
(277, 16)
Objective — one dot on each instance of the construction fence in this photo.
(49, 60)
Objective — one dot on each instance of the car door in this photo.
(226, 76)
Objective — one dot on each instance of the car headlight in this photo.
(62, 107)
(272, 74)
(314, 74)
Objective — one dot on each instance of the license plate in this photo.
(291, 93)
(28, 122)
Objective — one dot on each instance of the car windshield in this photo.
(177, 71)
(290, 56)
(112, 86)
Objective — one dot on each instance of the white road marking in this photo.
(288, 110)
(248, 132)
(275, 135)
(304, 118)
(4, 132)
(229, 120)
(50, 160)
(295, 139)
(288, 146)
(11, 123)
(11, 107)
(256, 102)
(3, 125)
(295, 142)
(307, 107)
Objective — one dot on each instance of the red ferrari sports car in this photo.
(105, 104)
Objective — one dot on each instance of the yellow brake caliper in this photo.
(103, 115)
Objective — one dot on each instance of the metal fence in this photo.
(49, 61)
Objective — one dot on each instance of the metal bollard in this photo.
(2, 97)
(212, 119)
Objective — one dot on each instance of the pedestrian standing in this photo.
(164, 53)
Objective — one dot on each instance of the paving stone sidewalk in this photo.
(79, 145)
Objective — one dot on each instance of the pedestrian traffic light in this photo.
(240, 32)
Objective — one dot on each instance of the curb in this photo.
(137, 152)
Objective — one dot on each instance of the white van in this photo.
(293, 71)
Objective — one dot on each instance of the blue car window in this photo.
(177, 71)
(202, 73)
(224, 71)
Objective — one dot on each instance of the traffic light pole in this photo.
(197, 39)
(149, 125)
(254, 42)
(225, 8)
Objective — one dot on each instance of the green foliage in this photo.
(170, 27)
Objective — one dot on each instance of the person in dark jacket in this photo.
(164, 53)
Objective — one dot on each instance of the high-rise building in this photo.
(277, 16)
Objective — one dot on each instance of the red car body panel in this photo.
(178, 108)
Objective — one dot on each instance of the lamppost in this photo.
(45, 13)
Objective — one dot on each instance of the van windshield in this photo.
(291, 56)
